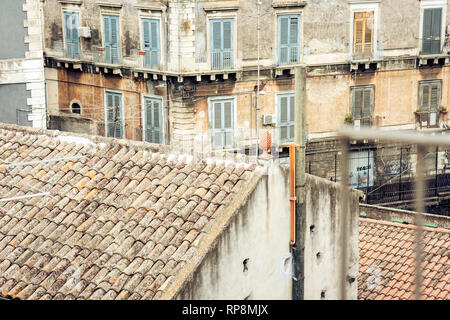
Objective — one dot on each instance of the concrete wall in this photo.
(259, 232)
(323, 234)
(13, 30)
(21, 64)
(14, 97)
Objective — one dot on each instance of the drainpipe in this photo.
(298, 226)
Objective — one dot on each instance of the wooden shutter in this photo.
(283, 39)
(71, 33)
(115, 54)
(363, 31)
(284, 114)
(357, 103)
(151, 45)
(431, 35)
(118, 130)
(291, 117)
(228, 124)
(111, 39)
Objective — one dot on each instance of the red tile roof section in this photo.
(387, 261)
(119, 223)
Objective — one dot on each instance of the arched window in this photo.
(76, 108)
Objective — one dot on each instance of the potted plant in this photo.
(348, 118)
(417, 111)
(443, 109)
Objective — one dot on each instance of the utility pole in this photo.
(258, 73)
(298, 248)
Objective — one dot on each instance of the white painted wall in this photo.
(258, 232)
(324, 215)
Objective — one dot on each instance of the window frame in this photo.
(144, 117)
(372, 102)
(432, 4)
(152, 16)
(299, 36)
(71, 10)
(277, 98)
(211, 101)
(364, 7)
(119, 35)
(115, 92)
(420, 98)
(222, 15)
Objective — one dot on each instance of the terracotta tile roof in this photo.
(123, 222)
(387, 261)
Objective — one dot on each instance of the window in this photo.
(221, 118)
(432, 25)
(111, 39)
(286, 117)
(288, 39)
(429, 101)
(221, 44)
(76, 108)
(363, 105)
(71, 25)
(363, 34)
(114, 115)
(153, 131)
(150, 34)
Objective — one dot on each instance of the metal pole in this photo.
(436, 173)
(420, 208)
(344, 212)
(298, 249)
(400, 179)
(258, 73)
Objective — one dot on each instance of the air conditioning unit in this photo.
(84, 32)
(269, 119)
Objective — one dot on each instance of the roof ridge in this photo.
(402, 225)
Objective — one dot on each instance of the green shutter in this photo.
(151, 45)
(111, 39)
(222, 128)
(221, 43)
(432, 25)
(288, 39)
(114, 109)
(72, 39)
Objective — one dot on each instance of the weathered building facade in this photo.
(22, 86)
(167, 71)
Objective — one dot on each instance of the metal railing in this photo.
(423, 142)
(221, 60)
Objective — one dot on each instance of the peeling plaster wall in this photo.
(259, 232)
(323, 234)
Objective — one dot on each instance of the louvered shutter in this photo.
(228, 124)
(293, 40)
(357, 105)
(110, 115)
(436, 31)
(115, 54)
(291, 117)
(154, 33)
(68, 30)
(146, 41)
(431, 35)
(71, 33)
(217, 134)
(227, 44)
(107, 38)
(118, 129)
(157, 121)
(284, 111)
(111, 39)
(283, 42)
(368, 34)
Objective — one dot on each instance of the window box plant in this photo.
(348, 118)
(443, 109)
